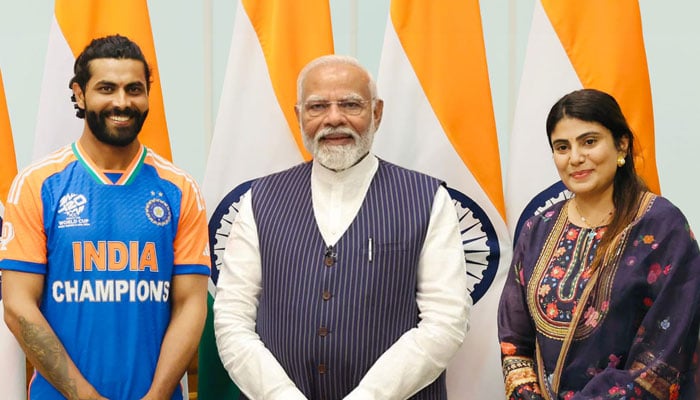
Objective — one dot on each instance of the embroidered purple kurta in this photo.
(637, 335)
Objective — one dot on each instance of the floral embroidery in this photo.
(508, 348)
(592, 317)
(654, 272)
(568, 395)
(522, 277)
(646, 239)
(614, 361)
(616, 390)
(526, 389)
(520, 377)
(630, 261)
(557, 273)
(568, 273)
(673, 391)
(665, 324)
(560, 251)
(648, 302)
(599, 233)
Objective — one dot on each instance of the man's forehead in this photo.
(339, 79)
(337, 69)
(120, 69)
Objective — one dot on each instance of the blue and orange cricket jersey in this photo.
(108, 244)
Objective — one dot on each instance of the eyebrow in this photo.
(349, 96)
(586, 134)
(111, 83)
(579, 137)
(137, 83)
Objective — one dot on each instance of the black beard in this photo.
(120, 137)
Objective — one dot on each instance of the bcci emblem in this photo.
(158, 212)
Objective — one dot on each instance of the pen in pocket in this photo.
(370, 249)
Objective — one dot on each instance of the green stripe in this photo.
(80, 158)
(213, 382)
(137, 167)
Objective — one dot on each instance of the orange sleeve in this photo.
(192, 238)
(24, 237)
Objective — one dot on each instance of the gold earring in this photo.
(620, 160)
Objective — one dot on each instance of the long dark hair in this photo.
(593, 105)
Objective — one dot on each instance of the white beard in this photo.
(339, 157)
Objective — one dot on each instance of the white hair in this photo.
(331, 59)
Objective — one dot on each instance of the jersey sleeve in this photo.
(192, 239)
(23, 243)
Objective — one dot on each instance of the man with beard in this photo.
(343, 277)
(105, 256)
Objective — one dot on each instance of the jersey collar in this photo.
(128, 175)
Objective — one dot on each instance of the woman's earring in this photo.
(621, 160)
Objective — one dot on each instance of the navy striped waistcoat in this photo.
(328, 313)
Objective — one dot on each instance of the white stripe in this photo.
(57, 157)
(547, 75)
(411, 136)
(166, 165)
(251, 136)
(56, 123)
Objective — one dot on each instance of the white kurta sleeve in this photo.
(422, 353)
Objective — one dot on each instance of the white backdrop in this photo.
(192, 40)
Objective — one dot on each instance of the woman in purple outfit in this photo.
(603, 300)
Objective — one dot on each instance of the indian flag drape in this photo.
(12, 371)
(438, 119)
(574, 45)
(75, 24)
(256, 132)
